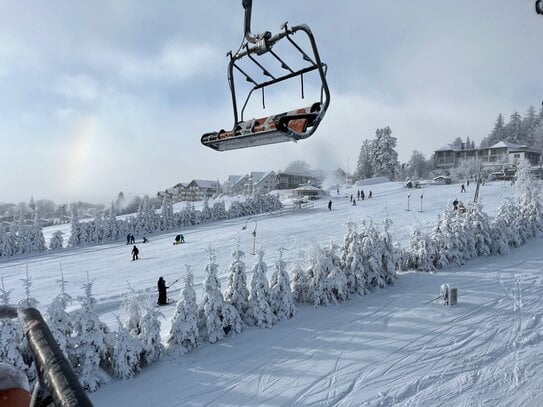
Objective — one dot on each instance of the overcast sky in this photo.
(98, 97)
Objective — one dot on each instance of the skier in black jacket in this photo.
(162, 297)
(135, 252)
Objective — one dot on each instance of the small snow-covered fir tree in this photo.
(419, 255)
(58, 320)
(282, 301)
(75, 235)
(89, 342)
(352, 262)
(260, 295)
(153, 349)
(207, 214)
(57, 240)
(37, 241)
(131, 308)
(11, 335)
(28, 301)
(237, 292)
(184, 335)
(302, 291)
(127, 353)
(216, 318)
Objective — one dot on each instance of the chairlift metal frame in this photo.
(288, 126)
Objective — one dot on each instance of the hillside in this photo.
(391, 347)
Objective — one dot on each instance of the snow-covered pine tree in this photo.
(513, 129)
(28, 301)
(497, 134)
(9, 244)
(57, 240)
(321, 265)
(216, 318)
(75, 235)
(364, 167)
(481, 230)
(206, 214)
(388, 260)
(153, 349)
(184, 334)
(282, 302)
(166, 212)
(384, 155)
(420, 253)
(219, 210)
(337, 280)
(37, 241)
(506, 222)
(127, 353)
(131, 308)
(11, 335)
(353, 262)
(302, 290)
(23, 238)
(89, 342)
(372, 257)
(527, 194)
(237, 293)
(58, 320)
(260, 295)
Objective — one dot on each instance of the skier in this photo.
(455, 204)
(128, 238)
(370, 195)
(132, 239)
(354, 202)
(463, 188)
(145, 240)
(135, 252)
(330, 205)
(358, 195)
(351, 198)
(162, 298)
(362, 195)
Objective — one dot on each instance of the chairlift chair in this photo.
(292, 125)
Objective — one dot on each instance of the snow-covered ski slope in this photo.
(392, 347)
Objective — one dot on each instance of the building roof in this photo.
(204, 183)
(308, 188)
(508, 145)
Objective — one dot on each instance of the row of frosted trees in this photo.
(148, 221)
(21, 238)
(363, 263)
(461, 236)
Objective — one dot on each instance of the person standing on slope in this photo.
(135, 252)
(162, 297)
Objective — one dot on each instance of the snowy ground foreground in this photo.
(390, 347)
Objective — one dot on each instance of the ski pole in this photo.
(173, 283)
(438, 297)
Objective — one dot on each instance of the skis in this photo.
(170, 302)
(176, 243)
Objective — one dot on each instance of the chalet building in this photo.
(503, 152)
(257, 182)
(235, 184)
(197, 189)
(263, 182)
(286, 180)
(177, 193)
